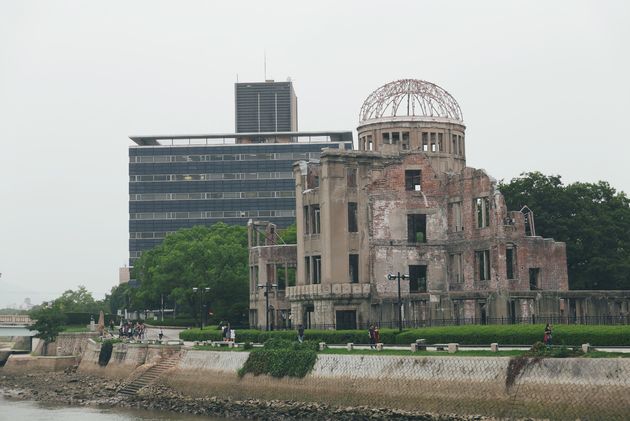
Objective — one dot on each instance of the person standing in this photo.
(372, 335)
(301, 333)
(547, 338)
(377, 335)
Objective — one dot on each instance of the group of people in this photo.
(130, 330)
(375, 336)
(228, 334)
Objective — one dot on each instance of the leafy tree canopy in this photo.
(79, 301)
(50, 322)
(199, 257)
(593, 219)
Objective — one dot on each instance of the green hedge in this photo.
(280, 358)
(85, 318)
(183, 322)
(464, 335)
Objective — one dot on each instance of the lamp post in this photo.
(201, 303)
(398, 277)
(266, 288)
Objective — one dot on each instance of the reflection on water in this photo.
(11, 410)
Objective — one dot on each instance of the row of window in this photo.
(213, 214)
(283, 156)
(211, 195)
(481, 206)
(430, 142)
(418, 273)
(158, 235)
(210, 177)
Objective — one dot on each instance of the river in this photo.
(13, 410)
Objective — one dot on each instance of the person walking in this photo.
(301, 333)
(547, 338)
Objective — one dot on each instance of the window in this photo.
(352, 217)
(386, 138)
(417, 228)
(307, 225)
(456, 216)
(425, 142)
(482, 265)
(317, 269)
(405, 140)
(395, 138)
(351, 175)
(307, 270)
(482, 211)
(433, 142)
(412, 180)
(353, 268)
(417, 278)
(315, 228)
(534, 278)
(455, 267)
(440, 143)
(454, 146)
(510, 261)
(369, 143)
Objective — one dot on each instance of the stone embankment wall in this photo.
(495, 386)
(28, 363)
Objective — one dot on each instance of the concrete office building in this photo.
(265, 107)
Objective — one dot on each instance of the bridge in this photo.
(15, 325)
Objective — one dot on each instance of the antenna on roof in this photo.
(265, 63)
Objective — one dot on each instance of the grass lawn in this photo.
(75, 329)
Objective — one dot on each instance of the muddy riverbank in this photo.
(73, 388)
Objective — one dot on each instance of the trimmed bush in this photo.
(596, 335)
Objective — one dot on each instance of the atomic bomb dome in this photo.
(410, 98)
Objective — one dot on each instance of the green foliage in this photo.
(77, 319)
(593, 219)
(178, 321)
(280, 358)
(79, 301)
(49, 324)
(247, 346)
(464, 335)
(289, 234)
(106, 352)
(201, 257)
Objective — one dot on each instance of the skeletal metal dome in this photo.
(410, 98)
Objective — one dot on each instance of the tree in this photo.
(199, 257)
(593, 219)
(49, 323)
(289, 234)
(79, 301)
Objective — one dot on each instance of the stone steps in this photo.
(150, 376)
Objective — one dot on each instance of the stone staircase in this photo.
(150, 375)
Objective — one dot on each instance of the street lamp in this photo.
(201, 303)
(398, 277)
(266, 288)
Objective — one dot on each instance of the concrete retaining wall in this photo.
(28, 363)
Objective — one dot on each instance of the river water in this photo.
(12, 410)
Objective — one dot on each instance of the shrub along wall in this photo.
(596, 335)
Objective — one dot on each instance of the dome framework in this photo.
(410, 98)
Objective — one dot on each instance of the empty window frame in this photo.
(307, 220)
(395, 138)
(454, 145)
(510, 261)
(351, 177)
(455, 268)
(307, 270)
(353, 226)
(370, 144)
(425, 141)
(405, 140)
(412, 180)
(482, 265)
(353, 268)
(482, 211)
(315, 219)
(317, 269)
(440, 142)
(417, 278)
(433, 142)
(456, 219)
(534, 279)
(417, 228)
(387, 139)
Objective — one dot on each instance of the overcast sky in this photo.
(542, 86)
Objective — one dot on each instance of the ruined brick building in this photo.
(405, 202)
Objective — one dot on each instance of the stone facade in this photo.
(406, 203)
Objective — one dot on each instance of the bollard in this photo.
(494, 347)
(350, 346)
(421, 344)
(453, 348)
(586, 348)
(322, 346)
(379, 346)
